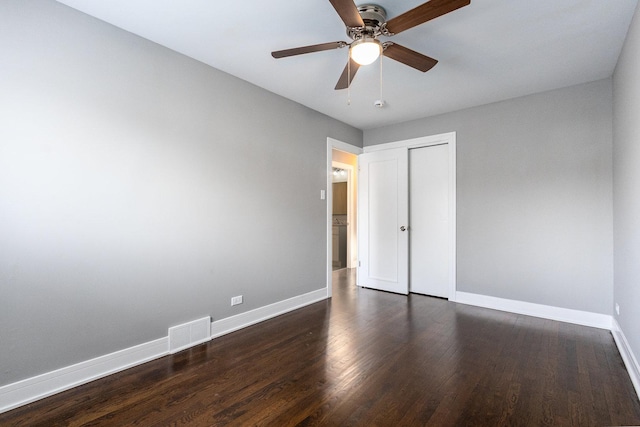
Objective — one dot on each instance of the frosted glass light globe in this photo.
(365, 51)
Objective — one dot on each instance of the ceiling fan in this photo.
(366, 23)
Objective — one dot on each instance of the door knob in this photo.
(403, 228)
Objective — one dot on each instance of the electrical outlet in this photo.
(618, 309)
(236, 300)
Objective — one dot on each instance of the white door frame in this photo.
(342, 146)
(426, 141)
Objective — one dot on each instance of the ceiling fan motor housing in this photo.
(374, 17)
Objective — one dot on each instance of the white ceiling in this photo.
(488, 51)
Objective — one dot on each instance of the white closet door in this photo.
(383, 220)
(429, 220)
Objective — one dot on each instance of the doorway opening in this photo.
(343, 214)
(342, 247)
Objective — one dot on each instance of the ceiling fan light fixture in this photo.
(365, 50)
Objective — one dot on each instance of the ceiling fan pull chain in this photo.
(380, 102)
(381, 56)
(349, 77)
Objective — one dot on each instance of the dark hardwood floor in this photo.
(367, 358)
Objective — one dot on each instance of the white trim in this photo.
(242, 320)
(31, 389)
(426, 141)
(453, 192)
(630, 360)
(423, 141)
(41, 386)
(342, 146)
(585, 318)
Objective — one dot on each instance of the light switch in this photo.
(323, 194)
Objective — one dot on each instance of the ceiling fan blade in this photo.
(423, 13)
(409, 57)
(348, 74)
(348, 12)
(307, 49)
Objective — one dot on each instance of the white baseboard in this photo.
(578, 317)
(35, 388)
(585, 318)
(41, 386)
(630, 361)
(242, 320)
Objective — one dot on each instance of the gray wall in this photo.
(140, 189)
(534, 191)
(626, 186)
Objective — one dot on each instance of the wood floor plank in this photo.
(366, 358)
